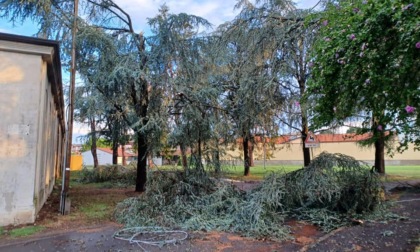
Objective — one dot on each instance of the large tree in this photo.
(366, 62)
(248, 46)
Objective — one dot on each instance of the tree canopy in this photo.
(366, 67)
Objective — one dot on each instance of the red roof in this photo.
(126, 154)
(322, 138)
(351, 137)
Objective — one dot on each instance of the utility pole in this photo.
(65, 202)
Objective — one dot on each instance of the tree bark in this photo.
(124, 161)
(305, 151)
(115, 152)
(93, 147)
(141, 163)
(141, 104)
(380, 154)
(246, 155)
(251, 153)
(183, 157)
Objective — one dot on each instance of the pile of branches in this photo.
(330, 192)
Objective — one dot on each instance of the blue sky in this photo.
(215, 11)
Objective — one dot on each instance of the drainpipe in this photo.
(65, 201)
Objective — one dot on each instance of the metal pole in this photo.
(66, 174)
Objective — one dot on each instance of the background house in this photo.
(32, 127)
(288, 150)
(105, 156)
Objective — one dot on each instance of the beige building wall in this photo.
(31, 129)
(291, 153)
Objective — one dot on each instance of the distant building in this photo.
(32, 127)
(76, 149)
(287, 149)
(105, 156)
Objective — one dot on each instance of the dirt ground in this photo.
(76, 233)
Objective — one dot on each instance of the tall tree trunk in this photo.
(216, 157)
(141, 163)
(94, 140)
(251, 153)
(380, 154)
(199, 164)
(304, 134)
(183, 156)
(141, 103)
(124, 161)
(302, 86)
(115, 152)
(246, 154)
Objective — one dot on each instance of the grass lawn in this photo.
(403, 172)
(258, 172)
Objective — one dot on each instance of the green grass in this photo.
(96, 210)
(258, 172)
(409, 171)
(1, 230)
(25, 231)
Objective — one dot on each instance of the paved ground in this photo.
(398, 235)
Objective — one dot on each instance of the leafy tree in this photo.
(292, 63)
(88, 110)
(101, 142)
(247, 74)
(366, 61)
(177, 69)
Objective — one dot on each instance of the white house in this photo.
(105, 157)
(32, 126)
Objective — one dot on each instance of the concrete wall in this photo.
(30, 132)
(291, 153)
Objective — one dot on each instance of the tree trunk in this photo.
(141, 104)
(305, 151)
(141, 163)
(380, 154)
(216, 157)
(183, 157)
(93, 147)
(251, 153)
(124, 161)
(246, 155)
(302, 86)
(114, 153)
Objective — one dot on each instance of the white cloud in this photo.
(215, 11)
(306, 4)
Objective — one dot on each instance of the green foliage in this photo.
(335, 182)
(328, 193)
(196, 202)
(99, 143)
(366, 66)
(115, 174)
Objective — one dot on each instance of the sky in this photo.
(215, 11)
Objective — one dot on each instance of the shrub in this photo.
(109, 173)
